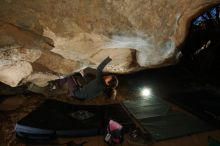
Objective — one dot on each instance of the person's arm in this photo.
(102, 65)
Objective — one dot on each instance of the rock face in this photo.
(42, 39)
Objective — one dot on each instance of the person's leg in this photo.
(80, 79)
(72, 85)
(61, 82)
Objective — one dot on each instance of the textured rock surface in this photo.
(13, 71)
(45, 38)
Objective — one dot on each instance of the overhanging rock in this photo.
(60, 37)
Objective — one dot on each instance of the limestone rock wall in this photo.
(42, 39)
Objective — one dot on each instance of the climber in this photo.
(79, 86)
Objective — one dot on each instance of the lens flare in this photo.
(146, 92)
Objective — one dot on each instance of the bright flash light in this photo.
(146, 92)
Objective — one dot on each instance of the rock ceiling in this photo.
(42, 39)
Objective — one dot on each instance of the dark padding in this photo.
(174, 125)
(58, 118)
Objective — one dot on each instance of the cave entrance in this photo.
(202, 46)
(200, 62)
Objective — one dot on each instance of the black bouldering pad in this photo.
(174, 124)
(54, 118)
(146, 108)
(157, 117)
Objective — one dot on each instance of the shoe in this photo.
(52, 86)
(136, 137)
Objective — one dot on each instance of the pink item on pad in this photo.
(113, 125)
(114, 135)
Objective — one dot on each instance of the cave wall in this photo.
(43, 39)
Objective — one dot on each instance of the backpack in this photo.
(114, 133)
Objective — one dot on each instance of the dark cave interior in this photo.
(193, 83)
(200, 53)
(198, 70)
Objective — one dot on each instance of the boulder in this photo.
(49, 38)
